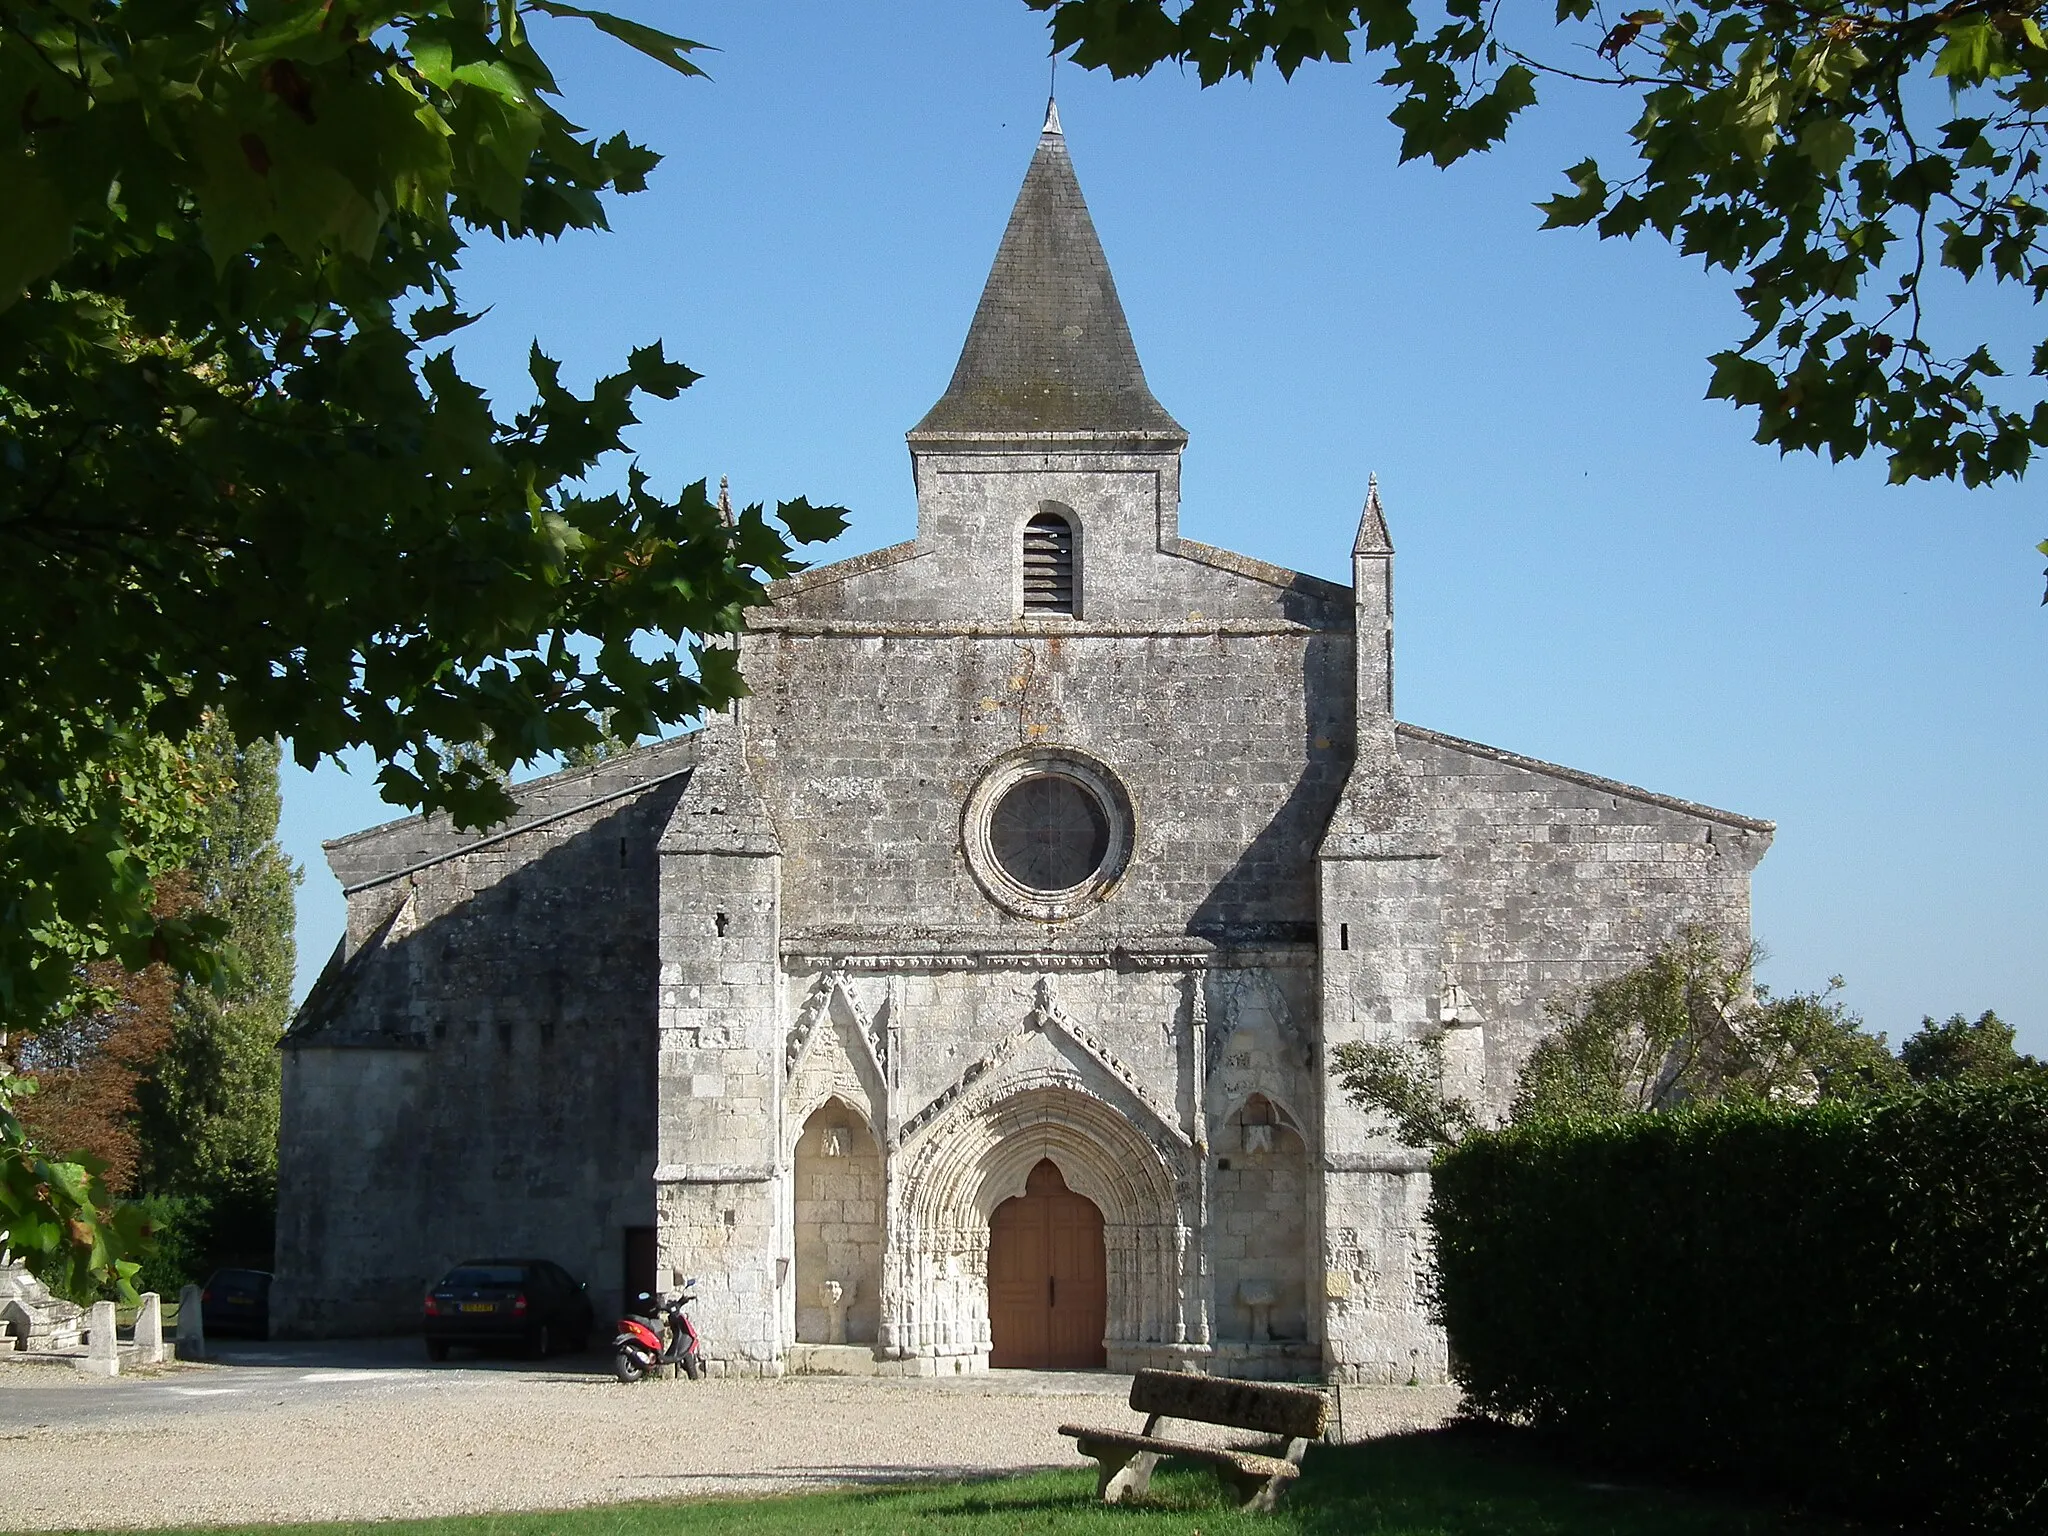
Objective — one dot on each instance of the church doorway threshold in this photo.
(1048, 1280)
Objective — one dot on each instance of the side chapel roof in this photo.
(1049, 350)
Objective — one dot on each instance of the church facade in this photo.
(965, 995)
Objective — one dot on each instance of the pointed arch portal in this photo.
(961, 1171)
(1048, 1280)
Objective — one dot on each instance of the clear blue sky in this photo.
(1595, 565)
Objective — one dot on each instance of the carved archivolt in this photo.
(959, 1175)
(960, 1169)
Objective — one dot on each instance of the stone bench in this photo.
(1124, 1460)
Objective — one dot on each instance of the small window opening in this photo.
(1343, 935)
(1049, 564)
(622, 853)
(722, 922)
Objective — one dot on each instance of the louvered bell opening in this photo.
(1048, 564)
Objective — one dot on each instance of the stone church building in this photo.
(964, 997)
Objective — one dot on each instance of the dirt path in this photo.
(311, 1440)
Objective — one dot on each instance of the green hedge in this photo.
(1849, 1303)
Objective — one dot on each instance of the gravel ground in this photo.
(227, 1443)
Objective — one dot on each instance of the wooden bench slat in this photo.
(1295, 1412)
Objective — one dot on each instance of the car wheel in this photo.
(540, 1344)
(437, 1349)
(627, 1368)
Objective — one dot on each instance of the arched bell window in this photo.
(1049, 562)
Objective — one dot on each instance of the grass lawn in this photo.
(1445, 1484)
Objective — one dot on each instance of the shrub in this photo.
(1845, 1301)
(176, 1255)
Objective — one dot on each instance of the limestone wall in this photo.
(476, 1076)
(1133, 567)
(1514, 882)
(722, 1178)
(1232, 748)
(1258, 1239)
(1552, 879)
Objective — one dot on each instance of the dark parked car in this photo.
(236, 1301)
(529, 1302)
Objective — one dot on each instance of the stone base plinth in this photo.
(862, 1360)
(839, 1360)
(1275, 1360)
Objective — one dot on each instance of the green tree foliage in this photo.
(209, 1109)
(73, 957)
(610, 744)
(238, 468)
(58, 1216)
(1687, 1026)
(1403, 1080)
(86, 829)
(1961, 1050)
(1834, 157)
(1690, 1025)
(241, 474)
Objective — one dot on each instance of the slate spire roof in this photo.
(1049, 350)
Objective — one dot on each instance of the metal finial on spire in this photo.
(724, 502)
(1052, 83)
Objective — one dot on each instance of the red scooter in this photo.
(658, 1334)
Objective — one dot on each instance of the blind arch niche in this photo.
(1051, 561)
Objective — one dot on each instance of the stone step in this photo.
(843, 1360)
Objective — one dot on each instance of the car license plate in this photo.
(479, 1306)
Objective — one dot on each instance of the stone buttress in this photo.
(1380, 946)
(720, 1205)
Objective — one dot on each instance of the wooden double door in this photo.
(1048, 1284)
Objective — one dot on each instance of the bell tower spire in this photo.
(1049, 353)
(1047, 475)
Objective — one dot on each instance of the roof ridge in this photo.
(1589, 780)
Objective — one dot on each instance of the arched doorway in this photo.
(1048, 1280)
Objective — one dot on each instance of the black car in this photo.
(528, 1302)
(236, 1301)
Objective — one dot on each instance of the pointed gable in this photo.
(1049, 350)
(1373, 538)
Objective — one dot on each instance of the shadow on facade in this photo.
(1269, 894)
(478, 1079)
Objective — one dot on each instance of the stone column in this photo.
(102, 1347)
(191, 1325)
(149, 1331)
(720, 1197)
